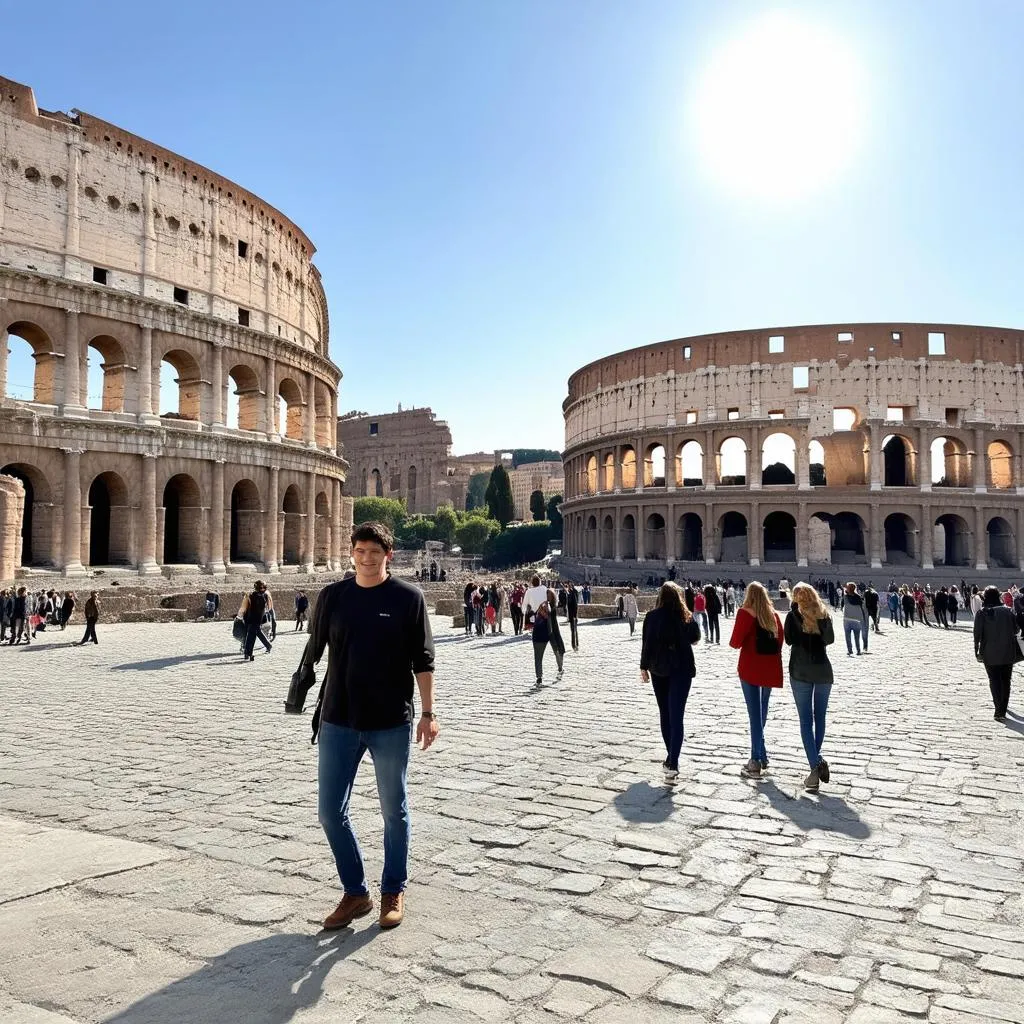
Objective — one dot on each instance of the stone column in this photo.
(803, 460)
(640, 533)
(309, 555)
(617, 529)
(1018, 538)
(3, 362)
(334, 433)
(336, 544)
(754, 537)
(641, 469)
(877, 477)
(72, 362)
(803, 541)
(877, 537)
(710, 464)
(924, 459)
(145, 375)
(617, 471)
(980, 539)
(147, 502)
(73, 512)
(754, 462)
(217, 386)
(217, 565)
(71, 232)
(979, 462)
(309, 423)
(708, 534)
(270, 410)
(926, 538)
(271, 555)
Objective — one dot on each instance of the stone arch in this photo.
(899, 461)
(950, 463)
(324, 416)
(290, 404)
(244, 399)
(246, 523)
(816, 464)
(654, 536)
(1000, 465)
(608, 538)
(609, 472)
(690, 538)
(590, 475)
(781, 449)
(181, 381)
(37, 345)
(590, 537)
(627, 536)
(183, 515)
(291, 505)
(105, 374)
(732, 462)
(952, 539)
(654, 466)
(322, 530)
(37, 521)
(732, 529)
(629, 468)
(110, 520)
(779, 536)
(690, 464)
(901, 547)
(375, 485)
(847, 539)
(1002, 544)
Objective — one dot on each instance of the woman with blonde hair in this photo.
(666, 661)
(757, 634)
(809, 632)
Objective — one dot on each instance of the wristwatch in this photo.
(430, 715)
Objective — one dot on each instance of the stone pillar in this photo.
(1018, 538)
(877, 537)
(309, 554)
(309, 422)
(71, 225)
(216, 563)
(641, 468)
(217, 411)
(145, 375)
(149, 268)
(72, 362)
(147, 502)
(754, 535)
(980, 539)
(73, 512)
(803, 541)
(924, 459)
(877, 476)
(336, 544)
(710, 464)
(979, 462)
(754, 463)
(3, 363)
(617, 529)
(270, 410)
(803, 460)
(617, 474)
(270, 549)
(708, 534)
(640, 533)
(926, 538)
(334, 436)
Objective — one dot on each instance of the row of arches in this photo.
(371, 484)
(839, 538)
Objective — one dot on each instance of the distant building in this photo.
(547, 477)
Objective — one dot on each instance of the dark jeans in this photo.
(714, 633)
(671, 693)
(252, 634)
(516, 612)
(952, 614)
(940, 618)
(90, 631)
(467, 611)
(574, 633)
(341, 750)
(999, 677)
(538, 657)
(811, 704)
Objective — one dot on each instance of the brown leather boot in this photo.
(347, 911)
(392, 909)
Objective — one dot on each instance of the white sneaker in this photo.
(671, 774)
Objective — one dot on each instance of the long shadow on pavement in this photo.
(824, 813)
(642, 802)
(178, 659)
(267, 981)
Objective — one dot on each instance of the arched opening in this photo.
(627, 537)
(180, 384)
(289, 397)
(952, 541)
(590, 476)
(30, 365)
(244, 398)
(105, 374)
(690, 464)
(411, 479)
(732, 528)
(1002, 547)
(847, 539)
(37, 520)
(609, 472)
(590, 537)
(898, 457)
(950, 463)
(375, 487)
(654, 536)
(246, 523)
(654, 466)
(322, 530)
(732, 464)
(900, 540)
(628, 469)
(293, 517)
(816, 460)
(324, 433)
(109, 521)
(779, 537)
(778, 460)
(182, 521)
(608, 538)
(1000, 465)
(690, 538)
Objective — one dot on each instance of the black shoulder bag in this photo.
(303, 680)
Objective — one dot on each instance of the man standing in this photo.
(629, 608)
(92, 614)
(301, 607)
(572, 610)
(254, 607)
(379, 636)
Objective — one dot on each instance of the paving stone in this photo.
(693, 952)
(611, 965)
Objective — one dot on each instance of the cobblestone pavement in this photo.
(162, 860)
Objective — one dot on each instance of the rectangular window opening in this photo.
(801, 377)
(691, 416)
(687, 351)
(776, 414)
(734, 414)
(373, 429)
(952, 417)
(181, 295)
(776, 344)
(936, 343)
(845, 336)
(243, 249)
(897, 337)
(243, 316)
(99, 275)
(894, 414)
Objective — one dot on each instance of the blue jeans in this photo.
(757, 698)
(856, 630)
(341, 750)
(671, 693)
(811, 704)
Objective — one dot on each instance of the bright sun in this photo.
(779, 110)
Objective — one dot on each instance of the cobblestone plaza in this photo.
(162, 860)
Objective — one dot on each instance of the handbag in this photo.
(302, 681)
(238, 630)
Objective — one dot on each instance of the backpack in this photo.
(765, 641)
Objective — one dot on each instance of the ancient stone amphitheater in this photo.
(881, 445)
(182, 409)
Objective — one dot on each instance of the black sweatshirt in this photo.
(378, 637)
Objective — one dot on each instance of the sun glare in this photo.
(779, 110)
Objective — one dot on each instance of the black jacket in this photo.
(808, 657)
(668, 645)
(995, 636)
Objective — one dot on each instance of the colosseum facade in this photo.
(883, 445)
(183, 408)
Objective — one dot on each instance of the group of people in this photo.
(23, 615)
(486, 604)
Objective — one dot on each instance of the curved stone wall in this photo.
(875, 444)
(117, 254)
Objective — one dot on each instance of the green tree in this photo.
(537, 507)
(474, 532)
(522, 456)
(389, 511)
(555, 515)
(445, 523)
(517, 546)
(475, 490)
(415, 530)
(499, 497)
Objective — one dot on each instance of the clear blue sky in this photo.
(503, 190)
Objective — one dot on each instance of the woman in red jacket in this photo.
(757, 634)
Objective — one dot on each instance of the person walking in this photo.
(713, 609)
(871, 607)
(19, 618)
(940, 605)
(92, 615)
(630, 609)
(6, 611)
(301, 611)
(667, 663)
(977, 602)
(545, 628)
(809, 633)
(467, 606)
(700, 613)
(572, 611)
(533, 599)
(996, 647)
(254, 607)
(953, 603)
(757, 634)
(908, 605)
(67, 608)
(921, 601)
(892, 599)
(378, 633)
(855, 620)
(500, 601)
(515, 608)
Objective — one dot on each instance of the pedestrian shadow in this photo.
(642, 802)
(1014, 724)
(170, 662)
(822, 813)
(267, 981)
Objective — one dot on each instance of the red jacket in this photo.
(754, 668)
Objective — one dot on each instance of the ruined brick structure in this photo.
(903, 444)
(120, 255)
